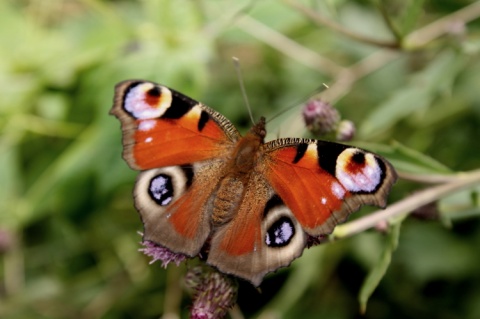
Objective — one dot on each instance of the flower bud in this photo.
(320, 117)
(215, 293)
(345, 131)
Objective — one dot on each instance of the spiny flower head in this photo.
(214, 293)
(161, 253)
(321, 118)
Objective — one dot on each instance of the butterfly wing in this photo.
(324, 182)
(181, 146)
(162, 127)
(175, 204)
(311, 187)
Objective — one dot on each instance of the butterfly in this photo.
(247, 206)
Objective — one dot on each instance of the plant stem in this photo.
(423, 36)
(320, 20)
(464, 181)
(287, 46)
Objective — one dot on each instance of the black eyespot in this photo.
(280, 233)
(154, 92)
(161, 189)
(359, 158)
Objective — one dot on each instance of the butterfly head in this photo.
(259, 129)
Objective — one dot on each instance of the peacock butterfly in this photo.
(250, 207)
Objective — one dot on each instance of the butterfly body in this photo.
(252, 206)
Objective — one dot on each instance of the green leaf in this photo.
(410, 160)
(378, 271)
(410, 16)
(403, 103)
(418, 95)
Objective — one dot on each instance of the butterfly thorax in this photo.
(239, 169)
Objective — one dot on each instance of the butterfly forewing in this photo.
(162, 127)
(323, 182)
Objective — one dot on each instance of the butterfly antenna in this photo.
(300, 100)
(236, 63)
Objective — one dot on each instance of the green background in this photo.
(68, 229)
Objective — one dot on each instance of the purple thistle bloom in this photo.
(320, 117)
(161, 253)
(215, 293)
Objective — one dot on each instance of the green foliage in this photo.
(376, 274)
(68, 229)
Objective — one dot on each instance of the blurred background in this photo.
(407, 73)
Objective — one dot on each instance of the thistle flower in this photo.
(320, 117)
(161, 253)
(214, 293)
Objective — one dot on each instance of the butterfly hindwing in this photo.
(174, 204)
(262, 236)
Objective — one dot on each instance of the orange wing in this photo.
(162, 127)
(323, 182)
(181, 146)
(248, 246)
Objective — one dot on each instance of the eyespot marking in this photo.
(161, 189)
(145, 100)
(280, 233)
(359, 172)
(152, 96)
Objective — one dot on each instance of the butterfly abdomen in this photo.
(240, 166)
(227, 199)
